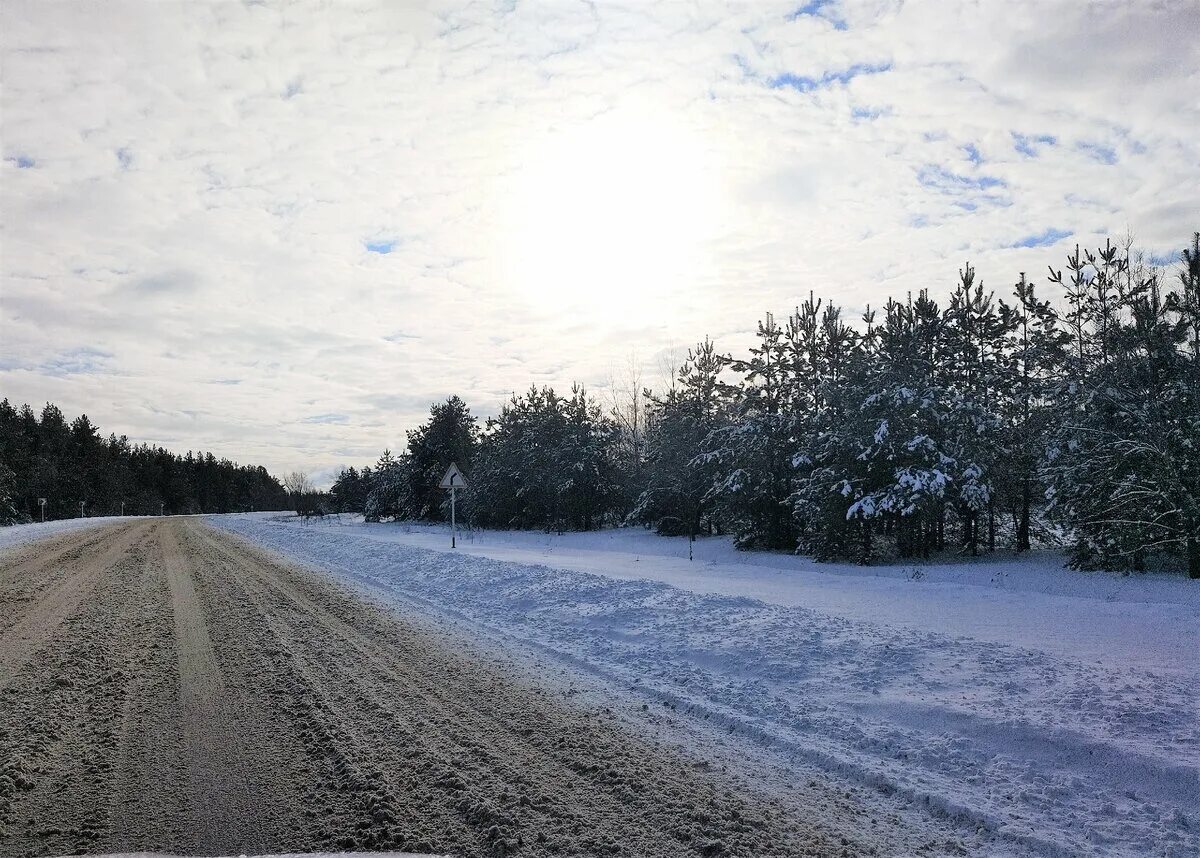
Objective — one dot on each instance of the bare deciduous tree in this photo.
(626, 404)
(298, 483)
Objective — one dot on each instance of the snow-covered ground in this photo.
(1047, 711)
(20, 534)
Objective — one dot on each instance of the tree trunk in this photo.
(865, 558)
(1023, 522)
(991, 527)
(1193, 551)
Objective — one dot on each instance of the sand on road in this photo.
(167, 687)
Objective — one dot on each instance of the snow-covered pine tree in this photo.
(388, 493)
(8, 491)
(451, 434)
(754, 455)
(675, 494)
(1124, 466)
(350, 489)
(589, 463)
(837, 359)
(1038, 349)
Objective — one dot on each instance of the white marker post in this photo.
(453, 481)
(81, 503)
(42, 504)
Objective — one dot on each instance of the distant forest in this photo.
(968, 425)
(68, 463)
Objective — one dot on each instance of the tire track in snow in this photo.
(223, 794)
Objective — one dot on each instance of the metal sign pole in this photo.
(452, 481)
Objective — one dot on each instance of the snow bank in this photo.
(1070, 725)
(20, 534)
(1028, 600)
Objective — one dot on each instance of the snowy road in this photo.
(166, 686)
(1037, 710)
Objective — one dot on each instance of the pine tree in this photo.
(69, 462)
(1124, 466)
(450, 434)
(675, 497)
(755, 453)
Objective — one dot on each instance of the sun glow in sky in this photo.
(279, 231)
(611, 217)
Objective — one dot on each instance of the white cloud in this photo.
(202, 193)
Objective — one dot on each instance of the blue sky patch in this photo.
(81, 361)
(380, 245)
(791, 81)
(972, 153)
(401, 337)
(819, 9)
(1050, 236)
(23, 162)
(801, 83)
(124, 158)
(813, 7)
(1027, 144)
(933, 176)
(337, 419)
(1103, 154)
(869, 112)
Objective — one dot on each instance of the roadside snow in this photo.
(1055, 712)
(1029, 600)
(20, 534)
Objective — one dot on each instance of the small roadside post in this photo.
(42, 504)
(81, 503)
(453, 480)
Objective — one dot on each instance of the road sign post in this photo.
(42, 504)
(453, 480)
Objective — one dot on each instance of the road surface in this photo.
(167, 687)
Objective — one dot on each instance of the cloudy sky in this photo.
(279, 230)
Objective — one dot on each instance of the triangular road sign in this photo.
(454, 478)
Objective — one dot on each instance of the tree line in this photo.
(69, 463)
(968, 424)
